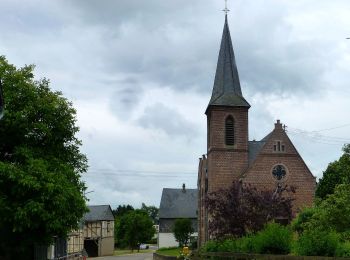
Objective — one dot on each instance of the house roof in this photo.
(99, 212)
(254, 148)
(178, 203)
(227, 88)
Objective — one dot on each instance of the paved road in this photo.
(146, 256)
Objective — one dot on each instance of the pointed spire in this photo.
(227, 88)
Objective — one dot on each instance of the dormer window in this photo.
(229, 131)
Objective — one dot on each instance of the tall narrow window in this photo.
(229, 131)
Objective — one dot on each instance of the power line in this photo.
(139, 174)
(137, 171)
(336, 127)
(315, 136)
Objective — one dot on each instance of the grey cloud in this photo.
(126, 98)
(166, 44)
(161, 117)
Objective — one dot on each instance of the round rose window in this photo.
(279, 172)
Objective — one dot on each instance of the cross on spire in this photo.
(226, 10)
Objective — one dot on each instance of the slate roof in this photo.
(254, 148)
(178, 204)
(227, 88)
(99, 212)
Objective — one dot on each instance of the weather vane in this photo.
(226, 10)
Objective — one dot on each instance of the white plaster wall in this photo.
(168, 239)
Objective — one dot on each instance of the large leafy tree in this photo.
(134, 228)
(1, 101)
(152, 211)
(121, 210)
(41, 193)
(323, 227)
(241, 209)
(332, 213)
(337, 172)
(182, 230)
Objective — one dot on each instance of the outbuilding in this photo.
(176, 204)
(99, 231)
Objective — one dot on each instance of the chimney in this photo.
(183, 188)
(278, 125)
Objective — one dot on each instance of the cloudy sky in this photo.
(140, 74)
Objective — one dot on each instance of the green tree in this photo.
(121, 210)
(134, 228)
(1, 101)
(337, 172)
(41, 193)
(324, 227)
(152, 211)
(182, 230)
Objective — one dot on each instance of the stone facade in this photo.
(264, 164)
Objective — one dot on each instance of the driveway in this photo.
(145, 256)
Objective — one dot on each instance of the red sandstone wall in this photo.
(298, 174)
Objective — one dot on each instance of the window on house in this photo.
(279, 172)
(278, 147)
(229, 131)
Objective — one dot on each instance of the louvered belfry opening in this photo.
(229, 131)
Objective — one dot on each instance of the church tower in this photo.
(227, 121)
(266, 164)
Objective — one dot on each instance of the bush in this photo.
(316, 242)
(245, 244)
(273, 239)
(227, 245)
(193, 243)
(343, 250)
(211, 246)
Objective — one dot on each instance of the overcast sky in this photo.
(140, 74)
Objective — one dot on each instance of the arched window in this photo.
(229, 131)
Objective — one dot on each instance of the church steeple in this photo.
(227, 88)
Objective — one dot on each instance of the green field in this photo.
(174, 251)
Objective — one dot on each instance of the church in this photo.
(230, 155)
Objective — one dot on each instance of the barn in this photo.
(99, 231)
(175, 204)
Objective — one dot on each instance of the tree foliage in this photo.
(330, 214)
(121, 210)
(182, 230)
(133, 228)
(241, 209)
(337, 172)
(1, 101)
(40, 162)
(152, 211)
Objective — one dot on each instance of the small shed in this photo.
(175, 204)
(99, 231)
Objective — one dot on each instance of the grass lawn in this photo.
(169, 251)
(128, 251)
